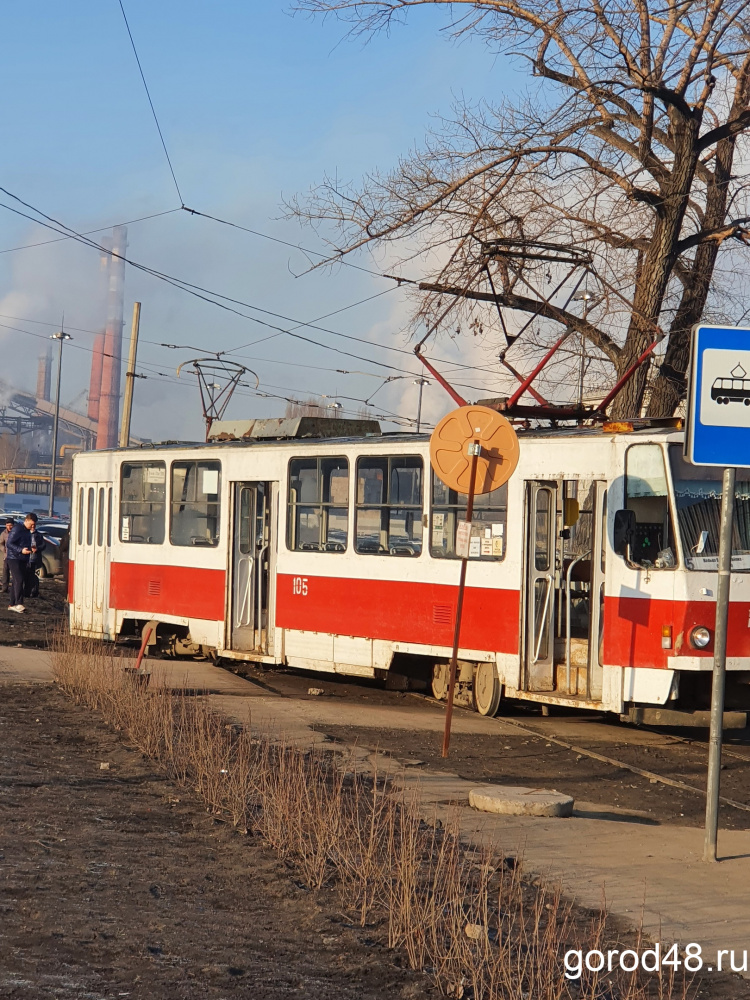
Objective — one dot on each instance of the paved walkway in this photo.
(639, 868)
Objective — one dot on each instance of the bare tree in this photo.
(629, 150)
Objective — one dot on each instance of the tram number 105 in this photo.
(299, 585)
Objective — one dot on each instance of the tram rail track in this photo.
(653, 776)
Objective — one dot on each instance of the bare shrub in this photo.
(465, 914)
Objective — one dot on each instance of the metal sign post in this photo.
(718, 434)
(720, 666)
(473, 450)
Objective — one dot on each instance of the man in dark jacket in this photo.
(18, 549)
(38, 545)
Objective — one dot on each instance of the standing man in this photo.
(18, 549)
(38, 545)
(9, 522)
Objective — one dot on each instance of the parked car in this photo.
(52, 562)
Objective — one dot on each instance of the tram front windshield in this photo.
(697, 491)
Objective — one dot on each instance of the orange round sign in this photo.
(450, 441)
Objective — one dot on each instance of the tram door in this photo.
(253, 559)
(93, 527)
(541, 570)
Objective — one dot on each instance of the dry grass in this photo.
(468, 917)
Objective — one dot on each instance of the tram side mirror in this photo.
(623, 534)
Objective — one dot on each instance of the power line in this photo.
(154, 370)
(210, 296)
(151, 104)
(339, 257)
(89, 232)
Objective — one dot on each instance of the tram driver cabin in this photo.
(327, 545)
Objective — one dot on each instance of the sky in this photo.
(256, 105)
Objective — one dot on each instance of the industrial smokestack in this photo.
(109, 399)
(95, 384)
(44, 377)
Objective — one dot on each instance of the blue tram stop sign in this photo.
(718, 407)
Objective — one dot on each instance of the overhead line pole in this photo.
(130, 377)
(61, 337)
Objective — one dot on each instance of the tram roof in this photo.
(626, 429)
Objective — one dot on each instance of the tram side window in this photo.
(143, 502)
(80, 515)
(196, 488)
(389, 505)
(488, 522)
(318, 507)
(647, 496)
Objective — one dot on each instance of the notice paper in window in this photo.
(125, 533)
(210, 481)
(155, 474)
(463, 533)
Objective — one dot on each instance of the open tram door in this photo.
(253, 573)
(564, 588)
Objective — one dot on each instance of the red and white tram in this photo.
(591, 580)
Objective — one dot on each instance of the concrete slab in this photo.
(507, 800)
(24, 666)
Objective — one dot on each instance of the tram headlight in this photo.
(700, 637)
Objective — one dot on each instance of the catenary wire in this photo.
(90, 232)
(202, 293)
(155, 370)
(151, 104)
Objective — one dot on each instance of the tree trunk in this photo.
(657, 263)
(671, 382)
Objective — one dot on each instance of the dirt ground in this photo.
(115, 883)
(43, 615)
(520, 759)
(496, 756)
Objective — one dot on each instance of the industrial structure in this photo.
(26, 419)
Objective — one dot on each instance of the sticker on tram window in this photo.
(486, 546)
(475, 547)
(125, 533)
(155, 474)
(299, 585)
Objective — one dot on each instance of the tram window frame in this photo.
(188, 510)
(646, 506)
(318, 509)
(390, 507)
(150, 507)
(454, 509)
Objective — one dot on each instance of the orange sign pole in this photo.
(474, 450)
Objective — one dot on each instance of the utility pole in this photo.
(421, 382)
(587, 298)
(130, 376)
(61, 337)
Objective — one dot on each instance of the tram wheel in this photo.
(441, 676)
(487, 689)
